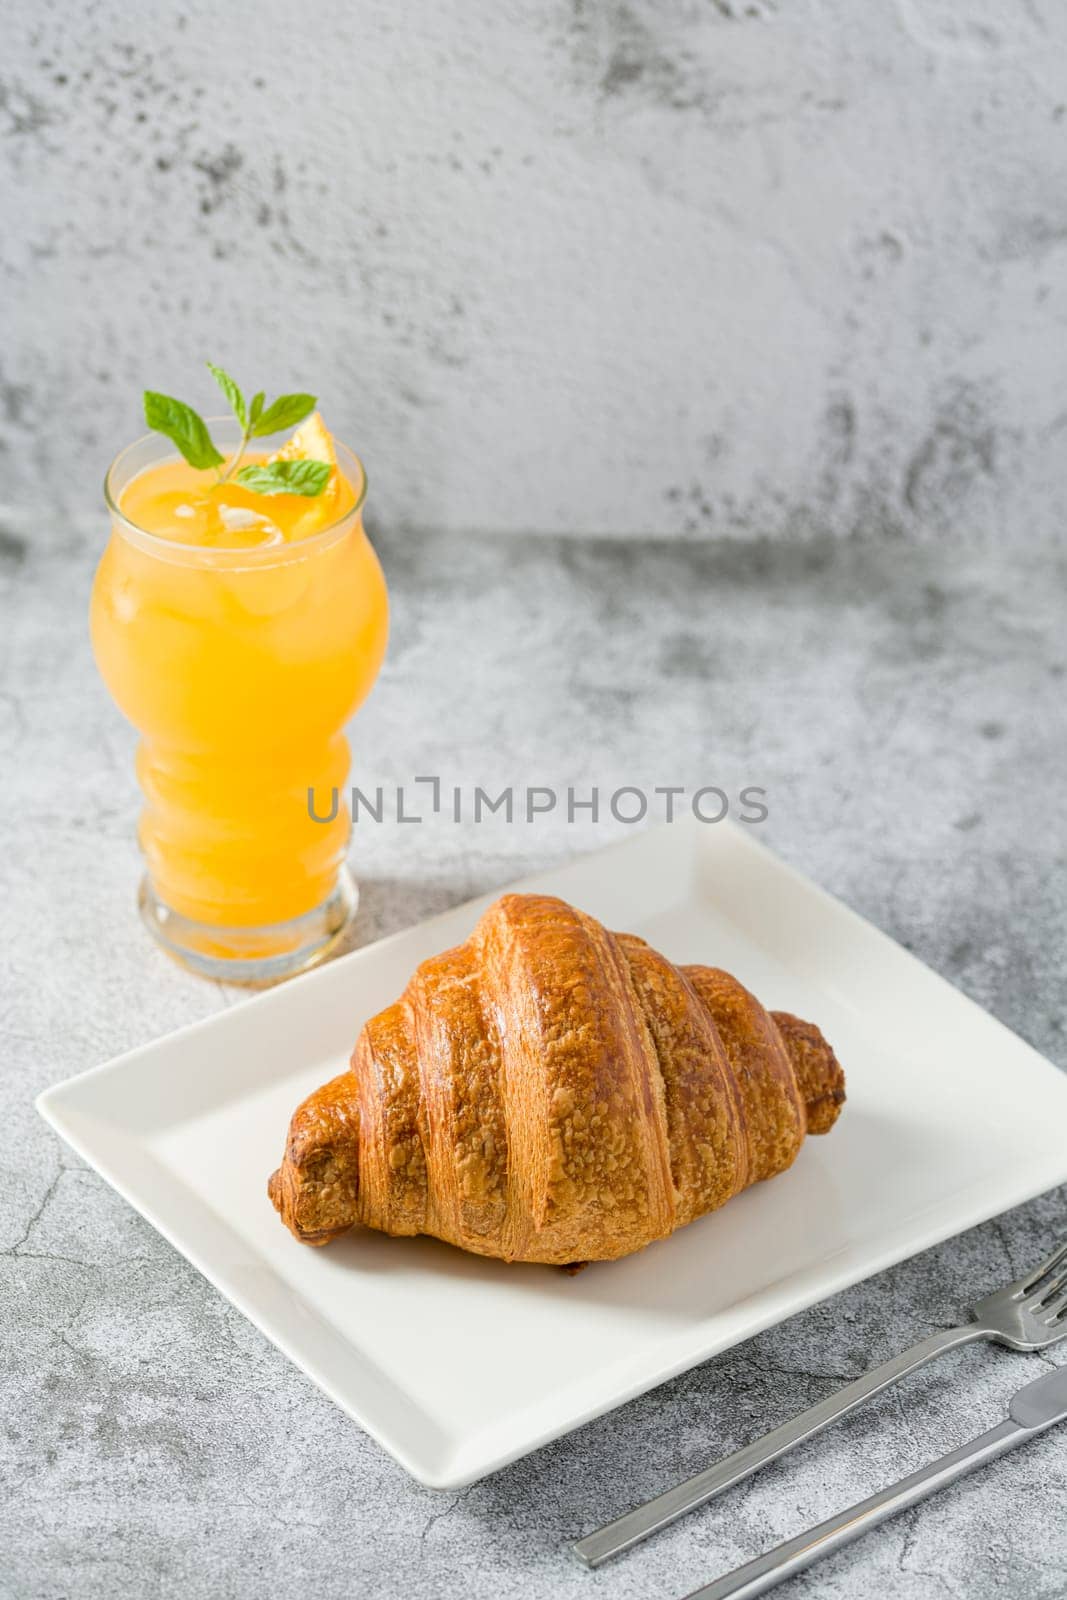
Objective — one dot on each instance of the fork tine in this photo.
(1031, 1281)
(1050, 1291)
(1055, 1311)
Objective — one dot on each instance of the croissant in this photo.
(549, 1091)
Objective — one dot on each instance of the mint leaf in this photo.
(183, 427)
(285, 412)
(287, 477)
(255, 410)
(232, 393)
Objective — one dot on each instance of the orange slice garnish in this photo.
(313, 441)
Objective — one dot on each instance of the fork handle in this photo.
(626, 1531)
(757, 1576)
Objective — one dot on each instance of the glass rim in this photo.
(212, 555)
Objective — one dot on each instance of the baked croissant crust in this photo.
(549, 1091)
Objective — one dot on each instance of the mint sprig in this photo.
(183, 427)
(285, 412)
(232, 392)
(286, 477)
(186, 429)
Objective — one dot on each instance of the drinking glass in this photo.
(239, 668)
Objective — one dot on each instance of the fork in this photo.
(1029, 1314)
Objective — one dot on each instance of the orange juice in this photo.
(238, 632)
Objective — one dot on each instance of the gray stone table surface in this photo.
(903, 708)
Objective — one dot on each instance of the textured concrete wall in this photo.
(682, 266)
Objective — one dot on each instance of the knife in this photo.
(1039, 1405)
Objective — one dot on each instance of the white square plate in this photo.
(950, 1119)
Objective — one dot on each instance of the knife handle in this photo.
(626, 1531)
(757, 1576)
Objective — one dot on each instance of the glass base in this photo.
(252, 955)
